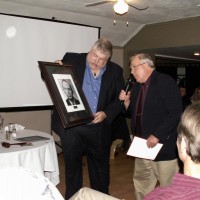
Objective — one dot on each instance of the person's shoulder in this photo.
(114, 66)
(164, 83)
(75, 55)
(163, 77)
(71, 57)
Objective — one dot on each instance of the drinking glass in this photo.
(11, 127)
(1, 123)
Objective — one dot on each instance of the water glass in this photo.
(11, 127)
(1, 123)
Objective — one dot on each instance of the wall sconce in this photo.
(121, 7)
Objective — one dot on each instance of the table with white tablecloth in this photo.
(41, 156)
(17, 183)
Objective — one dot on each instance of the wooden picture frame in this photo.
(56, 78)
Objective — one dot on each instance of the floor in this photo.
(121, 170)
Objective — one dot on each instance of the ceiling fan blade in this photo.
(140, 9)
(99, 3)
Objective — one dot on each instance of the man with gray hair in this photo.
(101, 82)
(185, 186)
(155, 107)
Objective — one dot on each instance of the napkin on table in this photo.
(18, 127)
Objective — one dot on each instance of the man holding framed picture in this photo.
(101, 81)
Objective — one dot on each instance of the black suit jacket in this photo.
(161, 112)
(111, 85)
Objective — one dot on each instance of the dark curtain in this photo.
(193, 78)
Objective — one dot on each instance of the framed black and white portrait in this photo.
(66, 94)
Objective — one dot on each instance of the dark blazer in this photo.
(111, 85)
(161, 113)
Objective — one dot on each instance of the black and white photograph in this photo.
(69, 93)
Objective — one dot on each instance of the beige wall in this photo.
(177, 33)
(118, 56)
(36, 120)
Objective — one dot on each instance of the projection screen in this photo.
(23, 42)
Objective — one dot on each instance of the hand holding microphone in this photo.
(129, 83)
(124, 95)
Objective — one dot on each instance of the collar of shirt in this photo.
(102, 70)
(147, 83)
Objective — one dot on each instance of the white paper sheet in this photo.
(139, 149)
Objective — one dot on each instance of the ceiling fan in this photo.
(120, 7)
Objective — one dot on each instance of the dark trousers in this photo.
(92, 141)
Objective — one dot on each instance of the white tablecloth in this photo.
(24, 184)
(41, 157)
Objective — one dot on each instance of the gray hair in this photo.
(189, 130)
(103, 45)
(145, 58)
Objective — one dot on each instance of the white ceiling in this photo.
(103, 15)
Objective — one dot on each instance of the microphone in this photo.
(128, 86)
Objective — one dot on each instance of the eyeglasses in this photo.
(134, 66)
(99, 59)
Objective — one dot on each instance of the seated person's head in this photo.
(188, 140)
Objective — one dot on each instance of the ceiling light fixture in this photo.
(121, 7)
(196, 53)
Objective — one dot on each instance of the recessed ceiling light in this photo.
(196, 53)
(198, 5)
